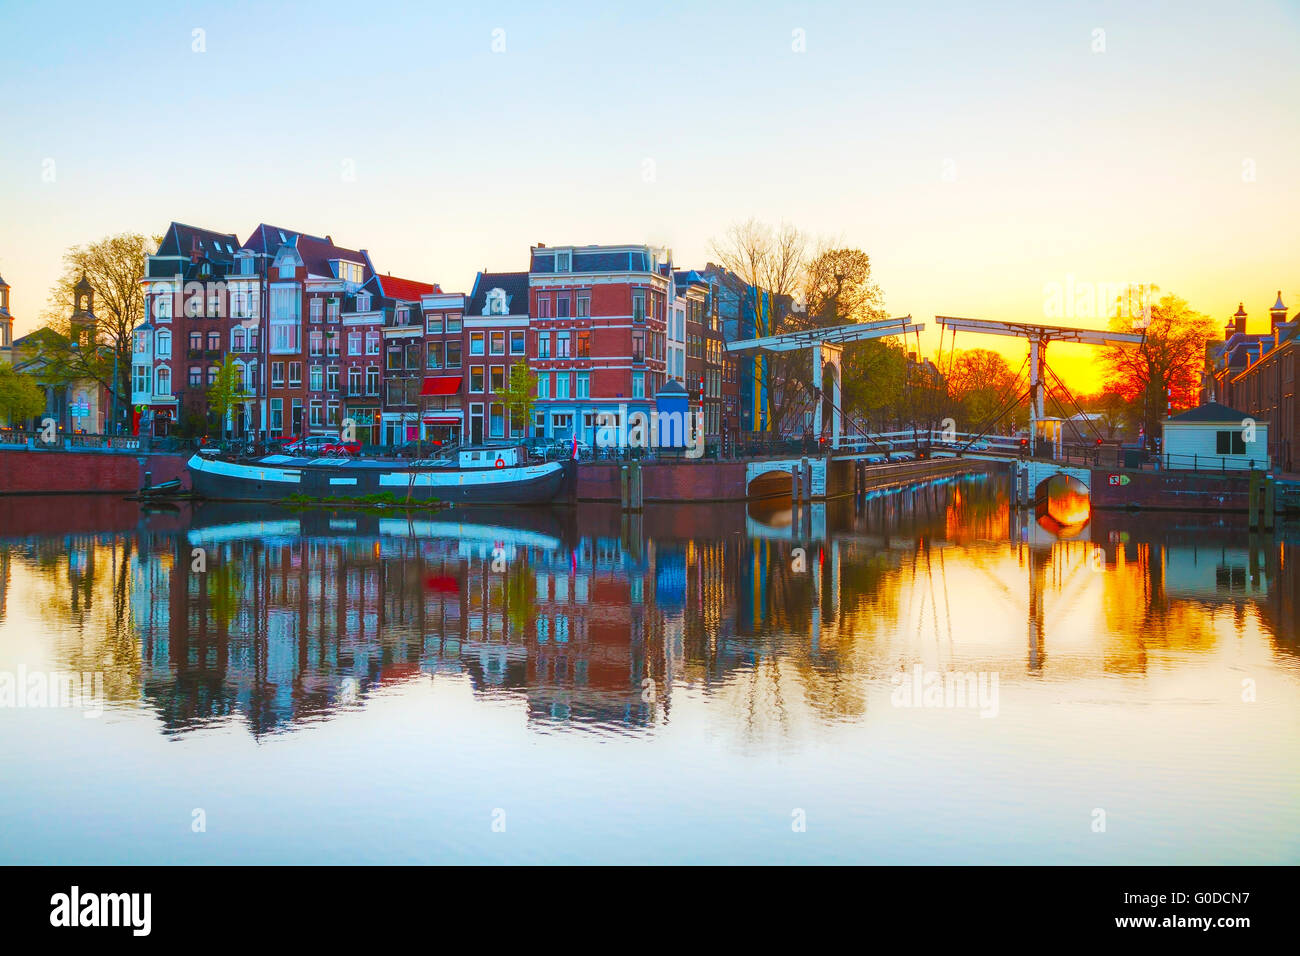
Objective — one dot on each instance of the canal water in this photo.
(918, 677)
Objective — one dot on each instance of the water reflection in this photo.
(271, 618)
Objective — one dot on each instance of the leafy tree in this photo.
(227, 393)
(1164, 372)
(520, 394)
(114, 267)
(980, 382)
(21, 397)
(872, 382)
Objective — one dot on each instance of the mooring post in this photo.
(1270, 501)
(1253, 499)
(622, 487)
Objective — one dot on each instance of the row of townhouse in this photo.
(1255, 373)
(318, 336)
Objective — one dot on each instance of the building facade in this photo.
(598, 336)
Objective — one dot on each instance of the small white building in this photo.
(1214, 437)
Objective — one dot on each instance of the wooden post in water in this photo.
(1253, 507)
(1270, 501)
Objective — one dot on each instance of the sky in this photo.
(982, 158)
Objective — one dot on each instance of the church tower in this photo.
(83, 313)
(6, 325)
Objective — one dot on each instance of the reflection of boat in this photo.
(483, 473)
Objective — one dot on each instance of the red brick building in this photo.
(597, 336)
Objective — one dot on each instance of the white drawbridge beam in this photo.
(1039, 336)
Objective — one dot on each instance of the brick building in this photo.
(598, 334)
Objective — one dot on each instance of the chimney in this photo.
(194, 249)
(1237, 325)
(1277, 314)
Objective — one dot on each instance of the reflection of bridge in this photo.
(848, 473)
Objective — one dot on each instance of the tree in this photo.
(981, 383)
(872, 380)
(227, 393)
(21, 397)
(838, 289)
(114, 267)
(1164, 372)
(520, 394)
(771, 260)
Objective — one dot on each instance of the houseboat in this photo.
(484, 474)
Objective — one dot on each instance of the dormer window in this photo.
(563, 262)
(287, 268)
(403, 316)
(363, 300)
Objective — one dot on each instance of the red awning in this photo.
(441, 420)
(441, 385)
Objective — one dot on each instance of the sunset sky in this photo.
(976, 156)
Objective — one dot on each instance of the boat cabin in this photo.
(501, 456)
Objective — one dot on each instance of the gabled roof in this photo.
(314, 251)
(515, 285)
(1209, 413)
(405, 290)
(181, 240)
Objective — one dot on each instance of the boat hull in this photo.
(223, 480)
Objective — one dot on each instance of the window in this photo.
(562, 385)
(414, 355)
(317, 381)
(498, 343)
(584, 305)
(363, 301)
(453, 324)
(638, 346)
(453, 354)
(317, 340)
(332, 378)
(498, 378)
(295, 375)
(237, 340)
(287, 268)
(544, 385)
(285, 338)
(332, 310)
(164, 382)
(544, 345)
(196, 376)
(476, 343)
(252, 340)
(403, 315)
(517, 345)
(214, 341)
(394, 356)
(1229, 443)
(164, 344)
(332, 343)
(562, 306)
(372, 380)
(434, 355)
(331, 413)
(562, 345)
(433, 324)
(354, 381)
(140, 375)
(496, 420)
(584, 385)
(277, 415)
(584, 344)
(638, 305)
(543, 307)
(354, 343)
(317, 308)
(372, 342)
(563, 261)
(162, 307)
(476, 378)
(277, 375)
(315, 417)
(212, 374)
(638, 384)
(214, 305)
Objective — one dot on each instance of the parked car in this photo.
(428, 448)
(325, 445)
